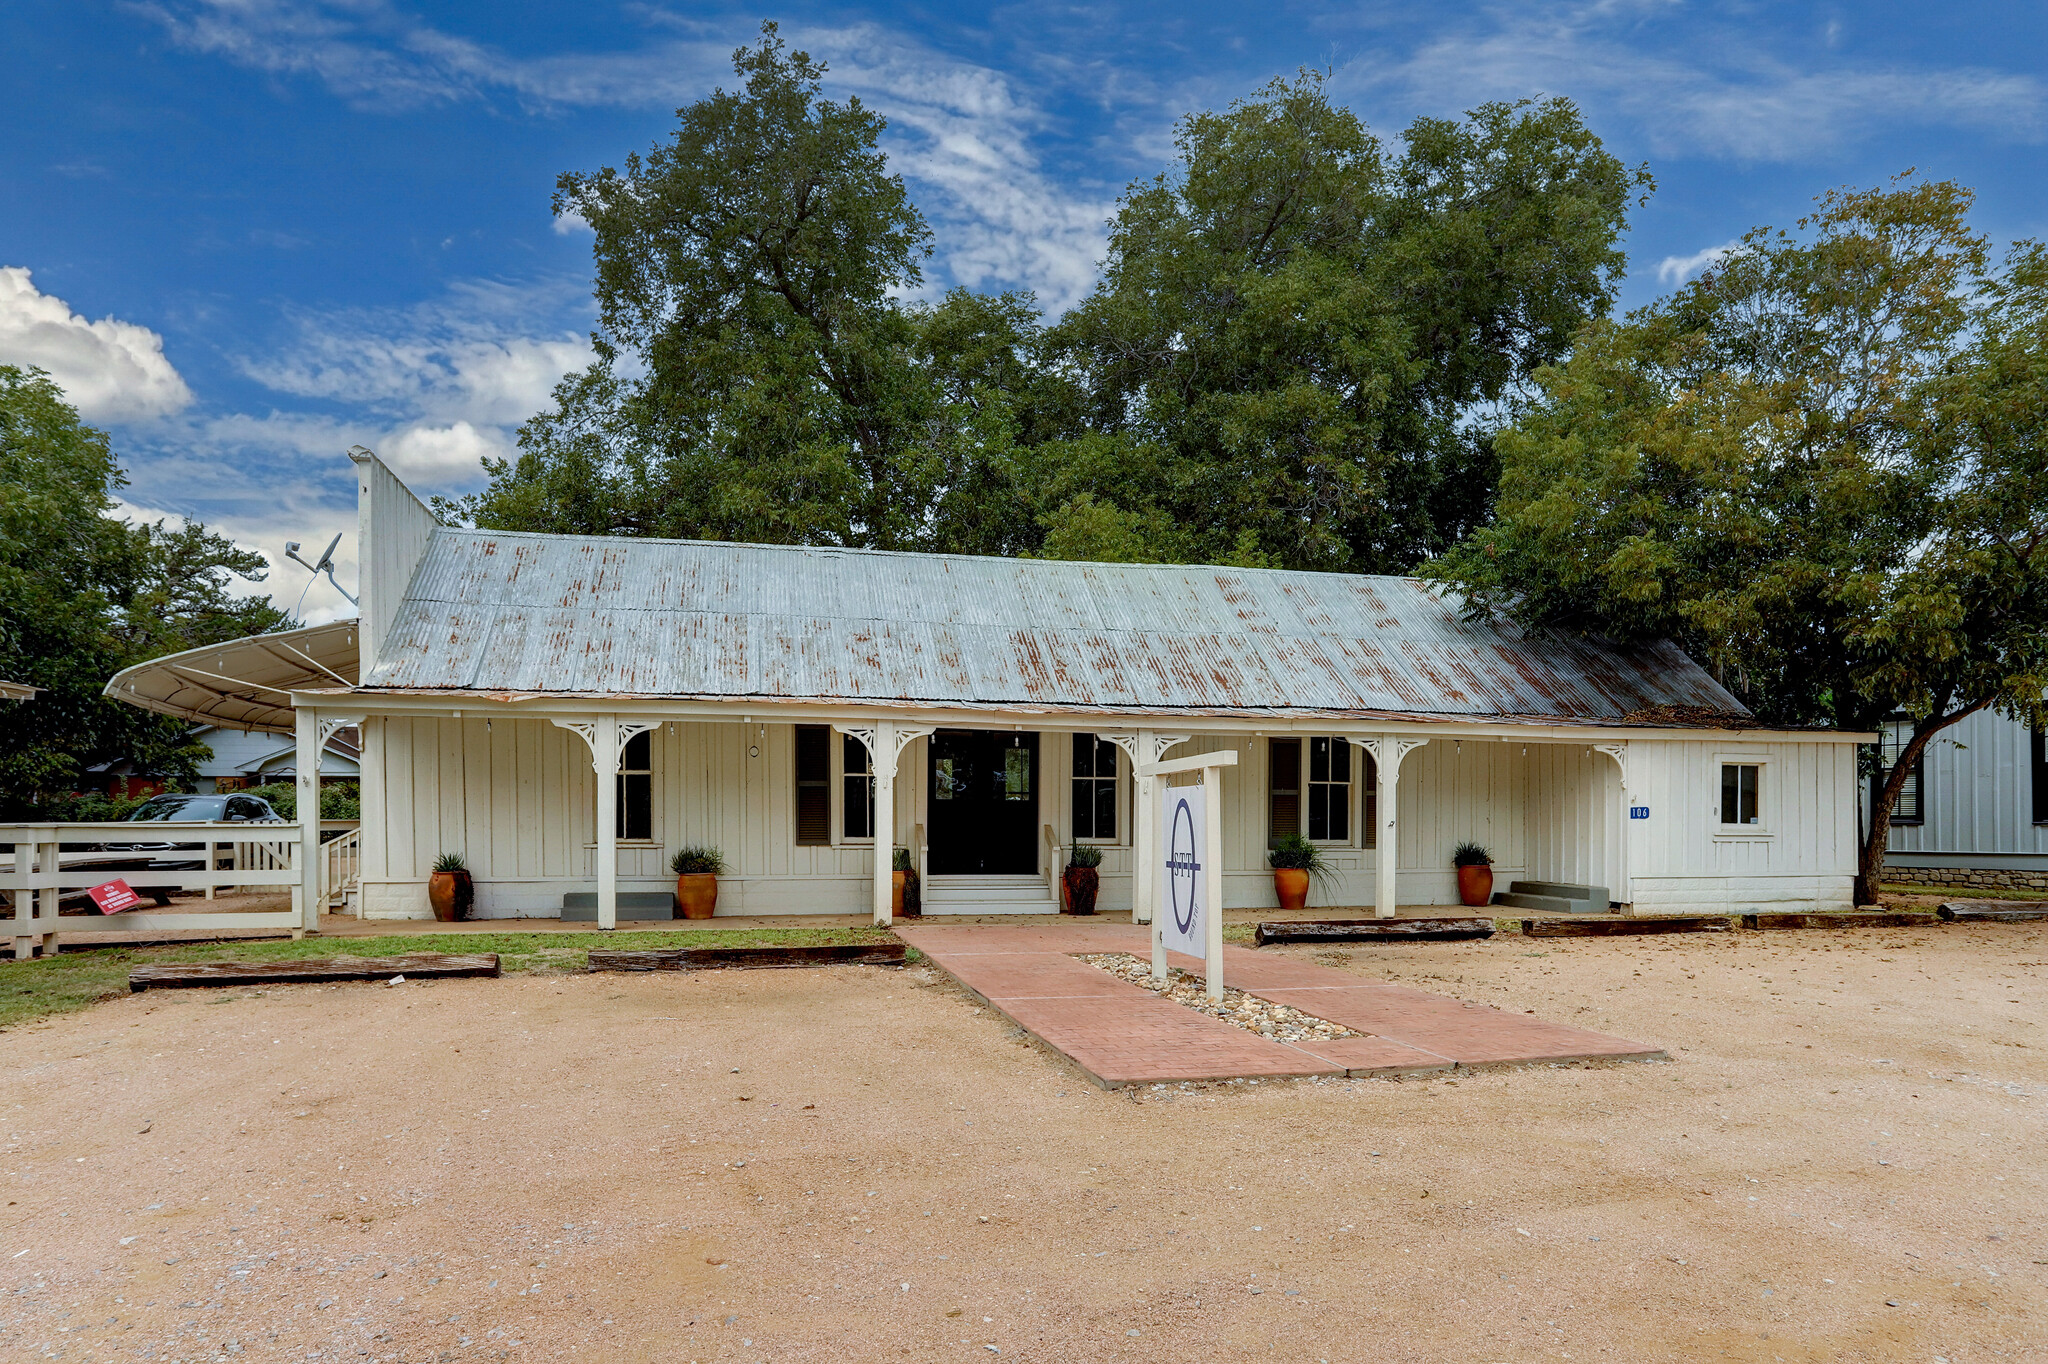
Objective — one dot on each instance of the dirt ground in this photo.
(1844, 1160)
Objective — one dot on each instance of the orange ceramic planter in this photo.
(1475, 885)
(697, 893)
(450, 893)
(1290, 884)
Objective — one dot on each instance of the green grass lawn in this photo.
(68, 981)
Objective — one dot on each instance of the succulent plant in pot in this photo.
(1082, 878)
(697, 871)
(1295, 862)
(450, 889)
(908, 899)
(1475, 874)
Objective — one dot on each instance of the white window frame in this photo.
(839, 778)
(653, 769)
(1766, 796)
(1125, 778)
(1353, 812)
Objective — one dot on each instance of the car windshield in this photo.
(179, 809)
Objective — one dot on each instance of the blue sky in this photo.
(248, 233)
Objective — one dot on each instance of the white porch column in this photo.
(885, 741)
(604, 761)
(306, 730)
(1145, 747)
(1387, 752)
(1623, 891)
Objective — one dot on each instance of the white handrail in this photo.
(342, 869)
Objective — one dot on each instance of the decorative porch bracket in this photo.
(1619, 752)
(885, 741)
(607, 737)
(312, 728)
(1145, 747)
(1387, 752)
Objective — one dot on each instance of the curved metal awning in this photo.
(245, 683)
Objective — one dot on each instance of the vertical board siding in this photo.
(518, 799)
(1978, 794)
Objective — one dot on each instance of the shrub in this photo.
(1084, 855)
(1470, 855)
(697, 862)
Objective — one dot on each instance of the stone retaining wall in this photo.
(1976, 878)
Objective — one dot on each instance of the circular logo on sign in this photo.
(1181, 867)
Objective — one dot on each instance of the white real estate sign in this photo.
(1184, 878)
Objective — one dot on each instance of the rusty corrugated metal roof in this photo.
(490, 611)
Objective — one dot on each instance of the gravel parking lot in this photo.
(1844, 1160)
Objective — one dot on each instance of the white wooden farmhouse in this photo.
(566, 711)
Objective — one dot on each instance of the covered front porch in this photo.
(987, 808)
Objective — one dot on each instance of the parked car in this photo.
(154, 852)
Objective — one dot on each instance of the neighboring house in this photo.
(1974, 812)
(241, 758)
(566, 712)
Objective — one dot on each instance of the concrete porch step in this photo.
(580, 906)
(1555, 897)
(988, 895)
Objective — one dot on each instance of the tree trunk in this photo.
(1870, 863)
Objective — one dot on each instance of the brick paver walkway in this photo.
(1122, 1035)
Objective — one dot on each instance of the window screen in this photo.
(636, 787)
(1738, 793)
(1094, 787)
(813, 785)
(859, 798)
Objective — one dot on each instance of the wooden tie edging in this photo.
(312, 970)
(726, 958)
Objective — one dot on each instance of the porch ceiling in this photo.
(244, 683)
(543, 615)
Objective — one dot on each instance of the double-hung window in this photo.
(1739, 789)
(1094, 787)
(857, 781)
(1313, 796)
(636, 787)
(1329, 790)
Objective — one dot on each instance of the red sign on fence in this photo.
(114, 896)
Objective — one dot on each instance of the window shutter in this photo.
(813, 785)
(1283, 784)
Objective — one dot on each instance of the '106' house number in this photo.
(1638, 812)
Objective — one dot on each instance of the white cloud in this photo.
(1698, 85)
(110, 370)
(1675, 270)
(436, 387)
(961, 132)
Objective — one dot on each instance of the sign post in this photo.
(1189, 915)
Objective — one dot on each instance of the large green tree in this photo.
(1299, 333)
(757, 375)
(84, 594)
(1822, 468)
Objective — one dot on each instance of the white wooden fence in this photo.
(49, 863)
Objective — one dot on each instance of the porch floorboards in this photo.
(1123, 1035)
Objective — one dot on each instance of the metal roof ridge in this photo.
(861, 550)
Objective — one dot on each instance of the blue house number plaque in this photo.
(1638, 812)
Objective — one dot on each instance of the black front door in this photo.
(984, 803)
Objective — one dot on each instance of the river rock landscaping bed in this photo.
(1277, 1021)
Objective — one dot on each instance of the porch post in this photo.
(1624, 891)
(882, 758)
(306, 730)
(604, 758)
(1387, 752)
